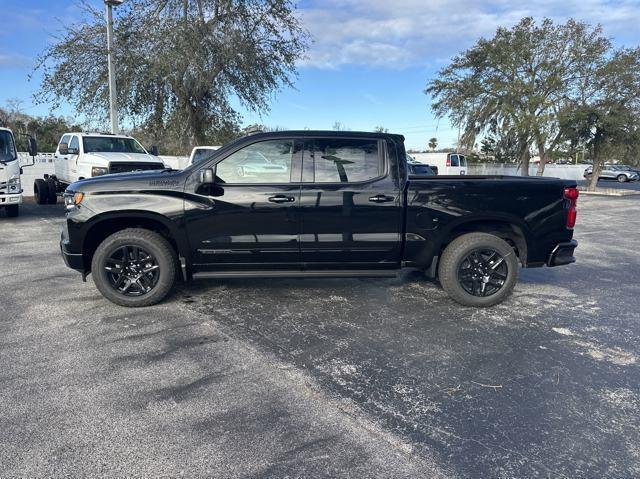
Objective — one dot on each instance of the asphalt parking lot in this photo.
(324, 378)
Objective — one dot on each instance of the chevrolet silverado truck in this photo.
(334, 204)
(87, 155)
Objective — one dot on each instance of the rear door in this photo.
(350, 207)
(251, 221)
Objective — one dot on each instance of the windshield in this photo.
(7, 147)
(105, 144)
(202, 154)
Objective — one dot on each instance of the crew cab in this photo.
(340, 204)
(87, 155)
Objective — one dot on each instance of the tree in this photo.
(605, 115)
(488, 146)
(514, 84)
(433, 143)
(178, 63)
(381, 129)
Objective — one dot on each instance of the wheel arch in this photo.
(107, 224)
(511, 230)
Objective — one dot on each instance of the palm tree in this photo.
(433, 143)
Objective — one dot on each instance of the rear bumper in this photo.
(563, 254)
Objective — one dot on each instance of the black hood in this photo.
(135, 181)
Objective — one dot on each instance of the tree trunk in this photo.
(525, 156)
(597, 168)
(543, 160)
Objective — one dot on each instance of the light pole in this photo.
(113, 95)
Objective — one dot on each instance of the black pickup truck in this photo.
(314, 204)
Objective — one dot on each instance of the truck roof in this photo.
(89, 133)
(324, 133)
(4, 129)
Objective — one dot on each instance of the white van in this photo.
(447, 163)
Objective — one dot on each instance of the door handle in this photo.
(281, 199)
(381, 198)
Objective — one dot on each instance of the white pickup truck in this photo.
(87, 155)
(10, 171)
(201, 153)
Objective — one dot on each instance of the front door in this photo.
(251, 221)
(350, 206)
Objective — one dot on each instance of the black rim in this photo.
(483, 272)
(132, 271)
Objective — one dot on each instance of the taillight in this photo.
(572, 194)
(448, 161)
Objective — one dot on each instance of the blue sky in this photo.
(368, 65)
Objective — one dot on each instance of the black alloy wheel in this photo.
(132, 271)
(483, 272)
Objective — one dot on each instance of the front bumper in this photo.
(563, 254)
(72, 260)
(9, 200)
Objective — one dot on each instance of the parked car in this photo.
(418, 170)
(201, 153)
(88, 155)
(342, 205)
(613, 172)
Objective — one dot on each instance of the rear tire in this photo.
(13, 211)
(622, 179)
(41, 191)
(483, 282)
(146, 243)
(53, 191)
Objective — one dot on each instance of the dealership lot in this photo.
(324, 378)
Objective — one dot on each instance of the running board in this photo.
(297, 274)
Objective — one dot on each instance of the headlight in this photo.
(13, 185)
(99, 171)
(71, 200)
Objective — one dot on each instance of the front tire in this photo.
(478, 269)
(13, 211)
(134, 268)
(41, 191)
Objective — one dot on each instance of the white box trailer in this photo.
(447, 163)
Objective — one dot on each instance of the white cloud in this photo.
(10, 60)
(402, 33)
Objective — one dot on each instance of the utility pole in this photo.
(113, 94)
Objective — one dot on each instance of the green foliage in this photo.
(46, 130)
(180, 64)
(513, 85)
(433, 143)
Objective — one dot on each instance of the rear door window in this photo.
(454, 160)
(344, 160)
(463, 160)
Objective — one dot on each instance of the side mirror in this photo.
(207, 176)
(63, 149)
(32, 146)
(73, 151)
(154, 150)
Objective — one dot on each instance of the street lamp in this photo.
(113, 96)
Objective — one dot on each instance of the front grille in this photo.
(129, 167)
